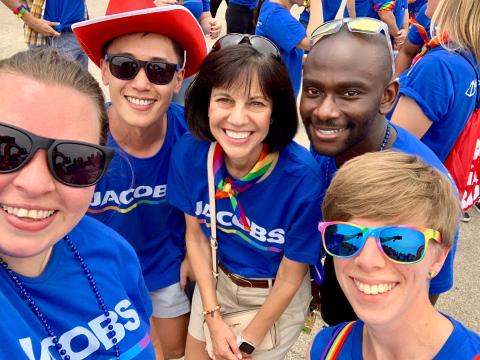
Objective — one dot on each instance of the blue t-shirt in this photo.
(407, 143)
(462, 344)
(65, 297)
(370, 8)
(330, 9)
(277, 24)
(443, 85)
(65, 12)
(197, 7)
(283, 210)
(131, 198)
(413, 34)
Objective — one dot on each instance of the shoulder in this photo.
(176, 119)
(189, 147)
(321, 342)
(94, 235)
(409, 144)
(298, 158)
(462, 342)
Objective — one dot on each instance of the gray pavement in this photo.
(461, 302)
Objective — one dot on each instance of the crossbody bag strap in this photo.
(335, 345)
(213, 212)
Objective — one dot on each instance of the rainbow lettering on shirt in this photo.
(136, 349)
(123, 211)
(243, 237)
(385, 6)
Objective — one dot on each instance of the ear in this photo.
(389, 98)
(179, 80)
(439, 254)
(105, 72)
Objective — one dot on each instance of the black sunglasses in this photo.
(73, 163)
(259, 43)
(126, 67)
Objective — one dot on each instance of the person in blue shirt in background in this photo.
(276, 23)
(392, 12)
(389, 223)
(332, 9)
(415, 6)
(143, 56)
(348, 88)
(49, 23)
(418, 36)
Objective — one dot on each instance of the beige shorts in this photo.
(235, 298)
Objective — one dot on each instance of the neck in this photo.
(371, 143)
(141, 142)
(30, 266)
(238, 168)
(405, 339)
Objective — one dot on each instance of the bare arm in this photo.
(287, 282)
(405, 56)
(210, 26)
(351, 8)
(399, 35)
(199, 253)
(41, 26)
(408, 115)
(315, 20)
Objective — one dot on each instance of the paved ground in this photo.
(461, 302)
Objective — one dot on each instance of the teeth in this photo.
(330, 132)
(142, 102)
(237, 134)
(25, 213)
(374, 289)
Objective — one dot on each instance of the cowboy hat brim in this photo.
(173, 21)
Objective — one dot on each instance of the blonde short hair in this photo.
(393, 187)
(460, 19)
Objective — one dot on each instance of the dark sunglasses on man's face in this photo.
(259, 43)
(126, 67)
(73, 163)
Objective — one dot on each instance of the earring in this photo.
(431, 274)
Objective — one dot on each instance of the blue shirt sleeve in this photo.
(283, 29)
(206, 5)
(430, 84)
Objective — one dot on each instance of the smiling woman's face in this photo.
(379, 290)
(36, 210)
(239, 120)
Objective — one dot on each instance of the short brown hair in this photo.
(48, 66)
(393, 186)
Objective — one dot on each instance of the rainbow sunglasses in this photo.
(403, 244)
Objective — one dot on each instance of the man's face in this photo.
(138, 102)
(342, 92)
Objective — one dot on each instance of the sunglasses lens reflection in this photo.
(78, 164)
(15, 148)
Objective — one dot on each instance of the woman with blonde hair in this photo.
(389, 223)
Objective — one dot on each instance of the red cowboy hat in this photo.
(133, 16)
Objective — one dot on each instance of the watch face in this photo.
(246, 348)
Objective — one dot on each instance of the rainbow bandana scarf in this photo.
(227, 187)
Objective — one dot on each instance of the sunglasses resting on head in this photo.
(259, 43)
(126, 67)
(402, 244)
(362, 25)
(72, 163)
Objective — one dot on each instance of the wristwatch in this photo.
(244, 345)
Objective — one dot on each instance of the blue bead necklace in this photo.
(38, 313)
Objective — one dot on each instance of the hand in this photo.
(215, 28)
(186, 272)
(224, 341)
(399, 39)
(43, 27)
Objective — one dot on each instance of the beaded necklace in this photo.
(380, 148)
(39, 314)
